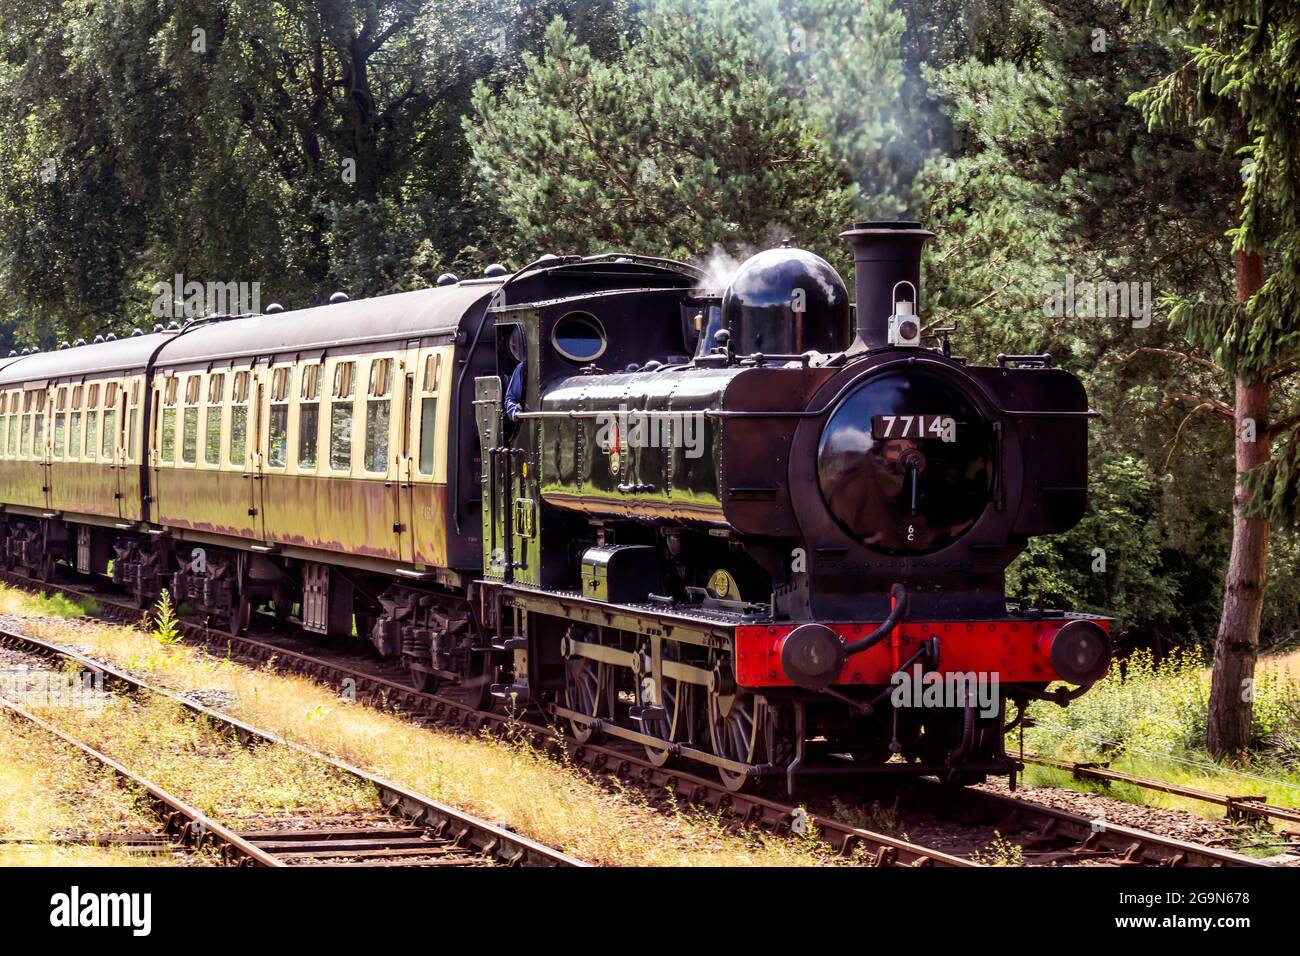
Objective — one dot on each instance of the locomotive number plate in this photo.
(941, 427)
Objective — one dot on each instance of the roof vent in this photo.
(495, 269)
(79, 342)
(338, 297)
(273, 308)
(173, 327)
(111, 337)
(135, 332)
(447, 278)
(98, 339)
(64, 345)
(13, 352)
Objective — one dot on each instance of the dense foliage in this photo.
(369, 145)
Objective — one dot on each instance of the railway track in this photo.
(1247, 807)
(1067, 837)
(414, 830)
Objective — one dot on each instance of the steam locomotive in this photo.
(725, 525)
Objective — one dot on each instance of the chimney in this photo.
(884, 254)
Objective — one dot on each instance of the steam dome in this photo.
(786, 301)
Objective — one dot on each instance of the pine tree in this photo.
(1243, 80)
(723, 123)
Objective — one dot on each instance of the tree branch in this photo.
(1172, 353)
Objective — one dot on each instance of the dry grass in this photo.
(209, 769)
(48, 791)
(505, 782)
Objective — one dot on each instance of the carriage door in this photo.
(116, 420)
(405, 490)
(42, 439)
(258, 412)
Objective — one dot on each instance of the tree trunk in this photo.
(1237, 644)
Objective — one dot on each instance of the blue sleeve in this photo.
(515, 393)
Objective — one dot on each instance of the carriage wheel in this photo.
(422, 681)
(588, 689)
(240, 616)
(475, 688)
(737, 733)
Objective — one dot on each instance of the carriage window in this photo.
(74, 423)
(109, 443)
(38, 426)
(239, 420)
(341, 436)
(167, 451)
(132, 421)
(167, 438)
(308, 428)
(212, 436)
(310, 388)
(60, 422)
(378, 413)
(432, 371)
(308, 416)
(212, 427)
(92, 422)
(428, 434)
(341, 417)
(278, 436)
(190, 422)
(190, 435)
(344, 372)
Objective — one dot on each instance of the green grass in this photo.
(48, 605)
(1152, 724)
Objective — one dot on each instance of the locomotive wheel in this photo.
(737, 733)
(679, 700)
(588, 689)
